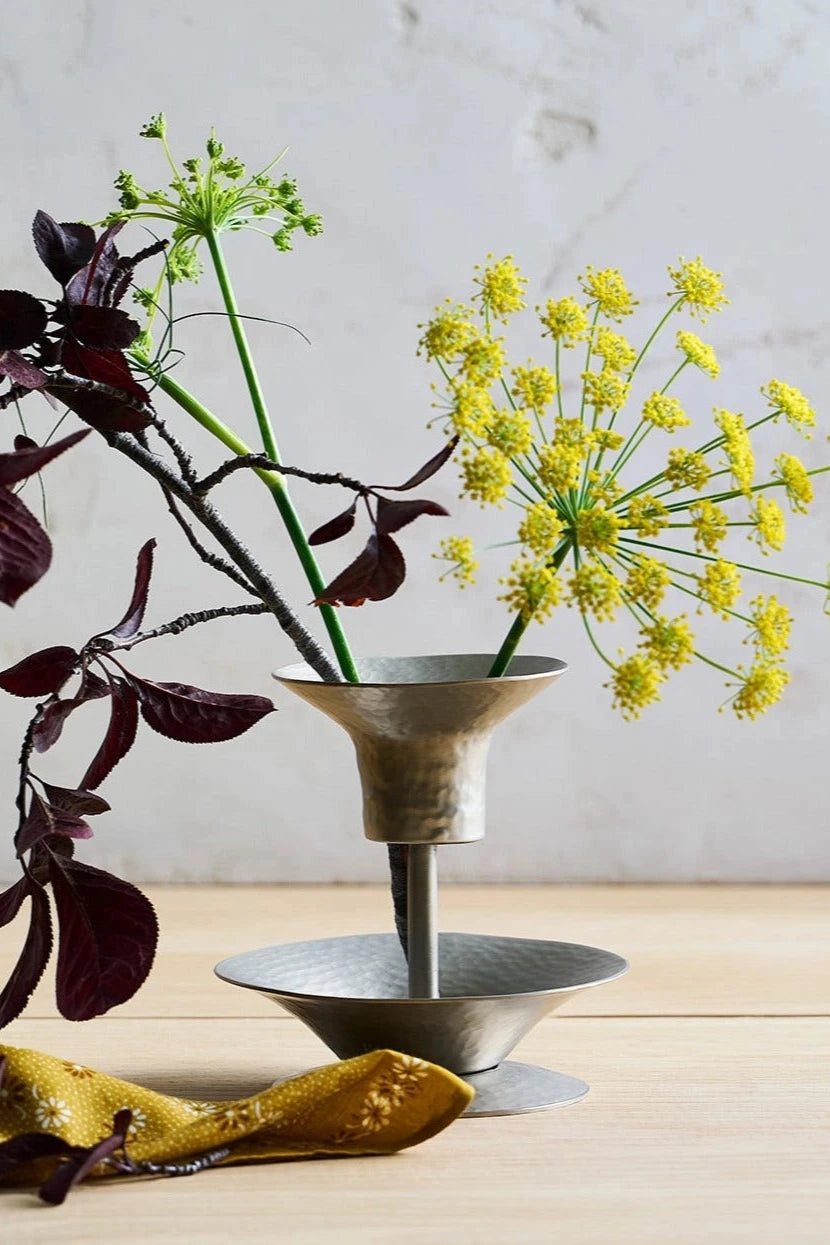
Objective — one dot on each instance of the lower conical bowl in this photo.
(352, 992)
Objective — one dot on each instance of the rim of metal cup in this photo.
(301, 672)
(623, 966)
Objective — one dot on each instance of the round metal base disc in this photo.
(513, 1088)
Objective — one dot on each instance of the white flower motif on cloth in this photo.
(387, 1094)
(77, 1070)
(201, 1108)
(50, 1111)
(375, 1112)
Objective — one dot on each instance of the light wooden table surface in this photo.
(708, 1118)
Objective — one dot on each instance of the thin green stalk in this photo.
(277, 484)
(519, 626)
(744, 566)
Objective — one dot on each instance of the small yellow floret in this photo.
(560, 466)
(510, 432)
(669, 642)
(617, 352)
(709, 523)
(698, 352)
(647, 581)
(482, 360)
(792, 472)
(635, 684)
(533, 386)
(458, 551)
(687, 469)
(595, 590)
(701, 287)
(448, 332)
(606, 287)
(772, 622)
(533, 589)
(664, 412)
(604, 390)
(572, 432)
(646, 515)
(597, 529)
(762, 686)
(502, 287)
(738, 448)
(565, 321)
(607, 439)
(719, 586)
(541, 529)
(792, 403)
(472, 409)
(603, 491)
(770, 524)
(486, 475)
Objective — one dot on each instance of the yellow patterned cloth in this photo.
(374, 1104)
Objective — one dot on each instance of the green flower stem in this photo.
(559, 382)
(519, 626)
(577, 496)
(594, 644)
(634, 441)
(675, 570)
(657, 329)
(744, 566)
(733, 493)
(277, 485)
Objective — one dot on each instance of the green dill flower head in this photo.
(156, 127)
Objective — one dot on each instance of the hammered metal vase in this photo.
(421, 728)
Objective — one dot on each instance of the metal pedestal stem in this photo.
(422, 920)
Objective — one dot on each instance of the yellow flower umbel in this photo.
(458, 552)
(625, 548)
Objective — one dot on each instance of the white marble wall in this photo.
(428, 133)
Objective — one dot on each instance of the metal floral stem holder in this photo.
(421, 727)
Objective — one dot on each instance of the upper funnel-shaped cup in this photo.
(421, 728)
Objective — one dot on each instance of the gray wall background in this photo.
(427, 134)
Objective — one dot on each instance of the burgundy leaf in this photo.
(90, 285)
(109, 367)
(41, 673)
(24, 443)
(33, 959)
(64, 1178)
(119, 738)
(375, 574)
(92, 687)
(108, 936)
(393, 515)
(20, 371)
(27, 462)
(194, 716)
(74, 802)
(64, 249)
(335, 528)
(28, 1148)
(25, 549)
(131, 621)
(107, 413)
(104, 328)
(22, 319)
(37, 825)
(11, 900)
(429, 468)
(49, 728)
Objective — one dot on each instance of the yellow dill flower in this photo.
(792, 472)
(458, 551)
(472, 409)
(770, 524)
(573, 432)
(486, 475)
(595, 590)
(669, 642)
(533, 386)
(687, 469)
(771, 625)
(761, 687)
(606, 287)
(719, 586)
(502, 287)
(635, 684)
(664, 412)
(565, 321)
(597, 529)
(709, 523)
(607, 439)
(560, 466)
(738, 448)
(699, 353)
(646, 515)
(482, 359)
(647, 581)
(604, 390)
(533, 589)
(701, 288)
(541, 529)
(792, 403)
(448, 332)
(604, 494)
(617, 352)
(510, 431)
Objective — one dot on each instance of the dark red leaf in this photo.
(104, 328)
(74, 802)
(11, 900)
(119, 738)
(54, 1190)
(131, 621)
(108, 936)
(108, 367)
(49, 728)
(22, 319)
(20, 371)
(375, 574)
(24, 443)
(28, 1148)
(25, 549)
(90, 285)
(194, 716)
(335, 528)
(64, 249)
(27, 462)
(429, 469)
(107, 413)
(41, 673)
(33, 959)
(393, 515)
(92, 687)
(44, 820)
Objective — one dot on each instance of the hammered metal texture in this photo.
(421, 728)
(352, 992)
